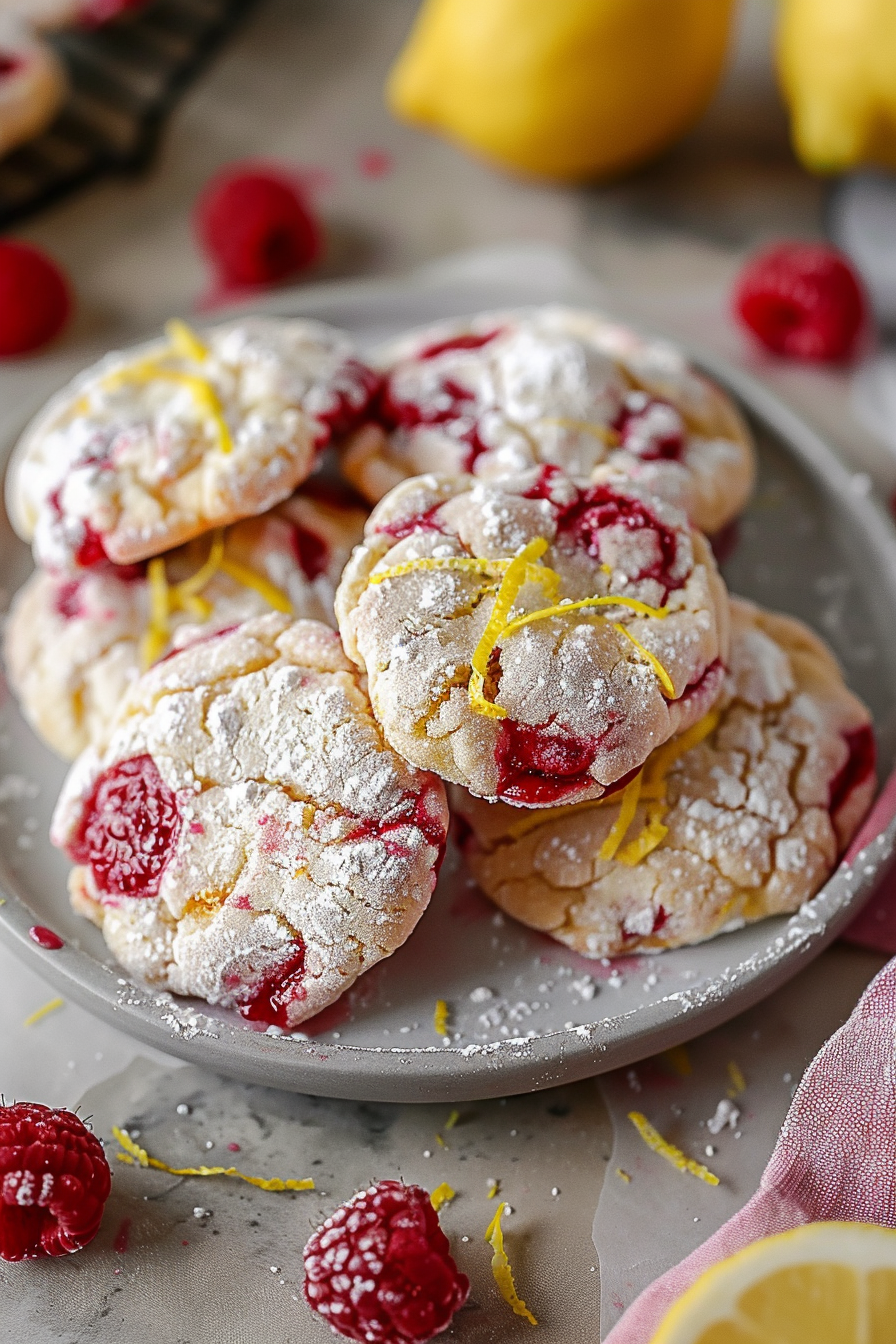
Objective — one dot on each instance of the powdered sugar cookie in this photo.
(247, 836)
(153, 447)
(501, 392)
(530, 638)
(741, 817)
(73, 645)
(32, 83)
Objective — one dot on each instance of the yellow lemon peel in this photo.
(184, 341)
(654, 1139)
(738, 1081)
(158, 632)
(452, 1119)
(503, 1274)
(440, 1018)
(443, 1194)
(623, 1176)
(493, 1188)
(40, 1013)
(274, 596)
(515, 577)
(630, 795)
(651, 835)
(135, 1155)
(466, 564)
(564, 608)
(664, 679)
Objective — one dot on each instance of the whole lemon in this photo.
(568, 89)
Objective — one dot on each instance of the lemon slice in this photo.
(825, 1283)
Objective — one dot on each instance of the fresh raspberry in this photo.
(380, 1269)
(35, 300)
(54, 1182)
(256, 226)
(128, 830)
(803, 300)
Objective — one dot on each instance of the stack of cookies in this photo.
(533, 616)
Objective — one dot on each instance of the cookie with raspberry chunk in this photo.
(532, 638)
(73, 645)
(500, 392)
(247, 836)
(157, 445)
(742, 817)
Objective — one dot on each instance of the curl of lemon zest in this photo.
(515, 577)
(274, 596)
(204, 395)
(564, 608)
(184, 341)
(443, 1194)
(609, 436)
(197, 606)
(651, 835)
(43, 1012)
(660, 761)
(440, 1141)
(738, 1081)
(655, 1140)
(630, 795)
(135, 1155)
(623, 1176)
(158, 632)
(467, 564)
(664, 679)
(440, 1018)
(503, 1274)
(206, 572)
(452, 1119)
(494, 1187)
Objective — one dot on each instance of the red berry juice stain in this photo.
(129, 829)
(353, 400)
(45, 938)
(67, 600)
(269, 1000)
(706, 687)
(91, 550)
(400, 528)
(311, 551)
(375, 163)
(122, 1237)
(857, 767)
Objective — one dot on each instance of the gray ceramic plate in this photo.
(524, 1012)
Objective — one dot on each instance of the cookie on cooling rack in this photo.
(501, 392)
(32, 83)
(158, 445)
(247, 836)
(73, 645)
(531, 638)
(741, 817)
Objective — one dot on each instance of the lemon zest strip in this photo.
(515, 577)
(158, 632)
(443, 1194)
(630, 795)
(469, 564)
(562, 608)
(652, 835)
(205, 396)
(664, 678)
(184, 341)
(274, 596)
(196, 582)
(494, 1187)
(623, 1176)
(43, 1012)
(738, 1081)
(452, 1119)
(503, 1274)
(135, 1155)
(440, 1018)
(661, 761)
(655, 1140)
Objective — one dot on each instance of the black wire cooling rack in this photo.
(125, 78)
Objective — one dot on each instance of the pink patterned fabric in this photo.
(835, 1157)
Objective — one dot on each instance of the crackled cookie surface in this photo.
(247, 836)
(501, 392)
(742, 817)
(32, 83)
(529, 638)
(73, 645)
(155, 446)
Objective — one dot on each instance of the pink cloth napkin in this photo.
(835, 1157)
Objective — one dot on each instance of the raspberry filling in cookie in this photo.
(311, 551)
(600, 512)
(857, 767)
(452, 406)
(129, 829)
(650, 428)
(400, 528)
(270, 998)
(9, 65)
(539, 767)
